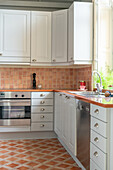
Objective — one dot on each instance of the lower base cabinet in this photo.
(65, 120)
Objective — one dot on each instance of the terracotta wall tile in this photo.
(52, 78)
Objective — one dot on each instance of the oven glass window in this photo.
(15, 112)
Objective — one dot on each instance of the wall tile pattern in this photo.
(49, 78)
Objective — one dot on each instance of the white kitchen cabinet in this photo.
(40, 37)
(42, 111)
(80, 33)
(59, 36)
(14, 36)
(65, 120)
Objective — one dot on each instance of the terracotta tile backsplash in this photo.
(49, 78)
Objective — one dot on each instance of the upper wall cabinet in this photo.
(80, 33)
(14, 36)
(41, 37)
(59, 36)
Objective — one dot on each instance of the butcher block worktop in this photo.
(106, 102)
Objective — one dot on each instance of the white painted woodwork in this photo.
(93, 166)
(14, 36)
(42, 117)
(58, 114)
(42, 95)
(101, 142)
(59, 36)
(42, 109)
(100, 160)
(65, 120)
(40, 37)
(41, 102)
(42, 126)
(80, 33)
(102, 127)
(99, 112)
(72, 138)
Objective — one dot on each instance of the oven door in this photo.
(15, 112)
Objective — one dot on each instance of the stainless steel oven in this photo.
(15, 108)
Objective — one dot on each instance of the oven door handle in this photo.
(15, 102)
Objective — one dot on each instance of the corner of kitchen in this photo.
(56, 101)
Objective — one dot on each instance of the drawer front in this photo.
(42, 95)
(42, 117)
(42, 126)
(41, 109)
(99, 112)
(99, 141)
(41, 102)
(99, 126)
(93, 166)
(98, 156)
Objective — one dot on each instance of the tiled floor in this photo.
(37, 154)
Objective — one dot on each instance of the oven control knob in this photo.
(16, 95)
(22, 95)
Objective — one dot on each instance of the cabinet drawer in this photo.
(99, 126)
(99, 141)
(99, 112)
(41, 109)
(93, 166)
(98, 156)
(42, 117)
(40, 102)
(42, 126)
(42, 95)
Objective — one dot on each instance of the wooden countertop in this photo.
(106, 102)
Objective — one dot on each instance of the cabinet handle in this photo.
(41, 125)
(96, 125)
(0, 54)
(42, 102)
(96, 139)
(96, 111)
(71, 58)
(41, 95)
(41, 117)
(42, 109)
(96, 154)
(54, 60)
(34, 60)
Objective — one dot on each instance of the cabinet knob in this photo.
(60, 94)
(42, 102)
(42, 109)
(71, 58)
(96, 125)
(41, 125)
(0, 54)
(54, 60)
(34, 60)
(96, 111)
(68, 97)
(41, 95)
(96, 154)
(42, 117)
(96, 139)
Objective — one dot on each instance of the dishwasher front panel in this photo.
(83, 133)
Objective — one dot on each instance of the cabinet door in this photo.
(58, 114)
(41, 37)
(72, 125)
(59, 36)
(14, 35)
(80, 33)
(65, 112)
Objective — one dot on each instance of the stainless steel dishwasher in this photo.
(83, 133)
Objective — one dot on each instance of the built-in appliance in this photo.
(83, 133)
(15, 108)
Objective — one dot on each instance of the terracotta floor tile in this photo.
(43, 167)
(45, 154)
